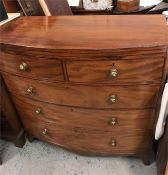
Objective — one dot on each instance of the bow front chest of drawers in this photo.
(90, 84)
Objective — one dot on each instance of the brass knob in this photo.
(45, 132)
(24, 67)
(38, 111)
(113, 121)
(113, 99)
(113, 143)
(113, 73)
(30, 91)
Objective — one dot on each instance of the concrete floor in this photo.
(39, 158)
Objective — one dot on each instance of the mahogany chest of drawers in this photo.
(90, 84)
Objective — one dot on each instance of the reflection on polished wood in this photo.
(89, 84)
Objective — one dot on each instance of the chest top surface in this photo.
(86, 32)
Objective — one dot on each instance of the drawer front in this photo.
(119, 71)
(101, 120)
(142, 96)
(38, 68)
(90, 142)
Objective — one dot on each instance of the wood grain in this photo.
(78, 52)
(87, 32)
(38, 68)
(86, 54)
(128, 5)
(128, 120)
(90, 142)
(129, 71)
(95, 96)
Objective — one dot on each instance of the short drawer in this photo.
(141, 96)
(118, 71)
(85, 141)
(101, 120)
(37, 68)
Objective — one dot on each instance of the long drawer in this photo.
(91, 142)
(33, 67)
(95, 96)
(101, 120)
(117, 71)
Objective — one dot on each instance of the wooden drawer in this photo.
(101, 120)
(33, 67)
(117, 71)
(142, 96)
(85, 141)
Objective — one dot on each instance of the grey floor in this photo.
(39, 158)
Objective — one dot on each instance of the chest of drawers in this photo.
(88, 84)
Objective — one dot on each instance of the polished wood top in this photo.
(86, 32)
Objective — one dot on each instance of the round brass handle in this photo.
(113, 73)
(113, 121)
(113, 143)
(38, 111)
(30, 91)
(45, 132)
(24, 67)
(113, 99)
